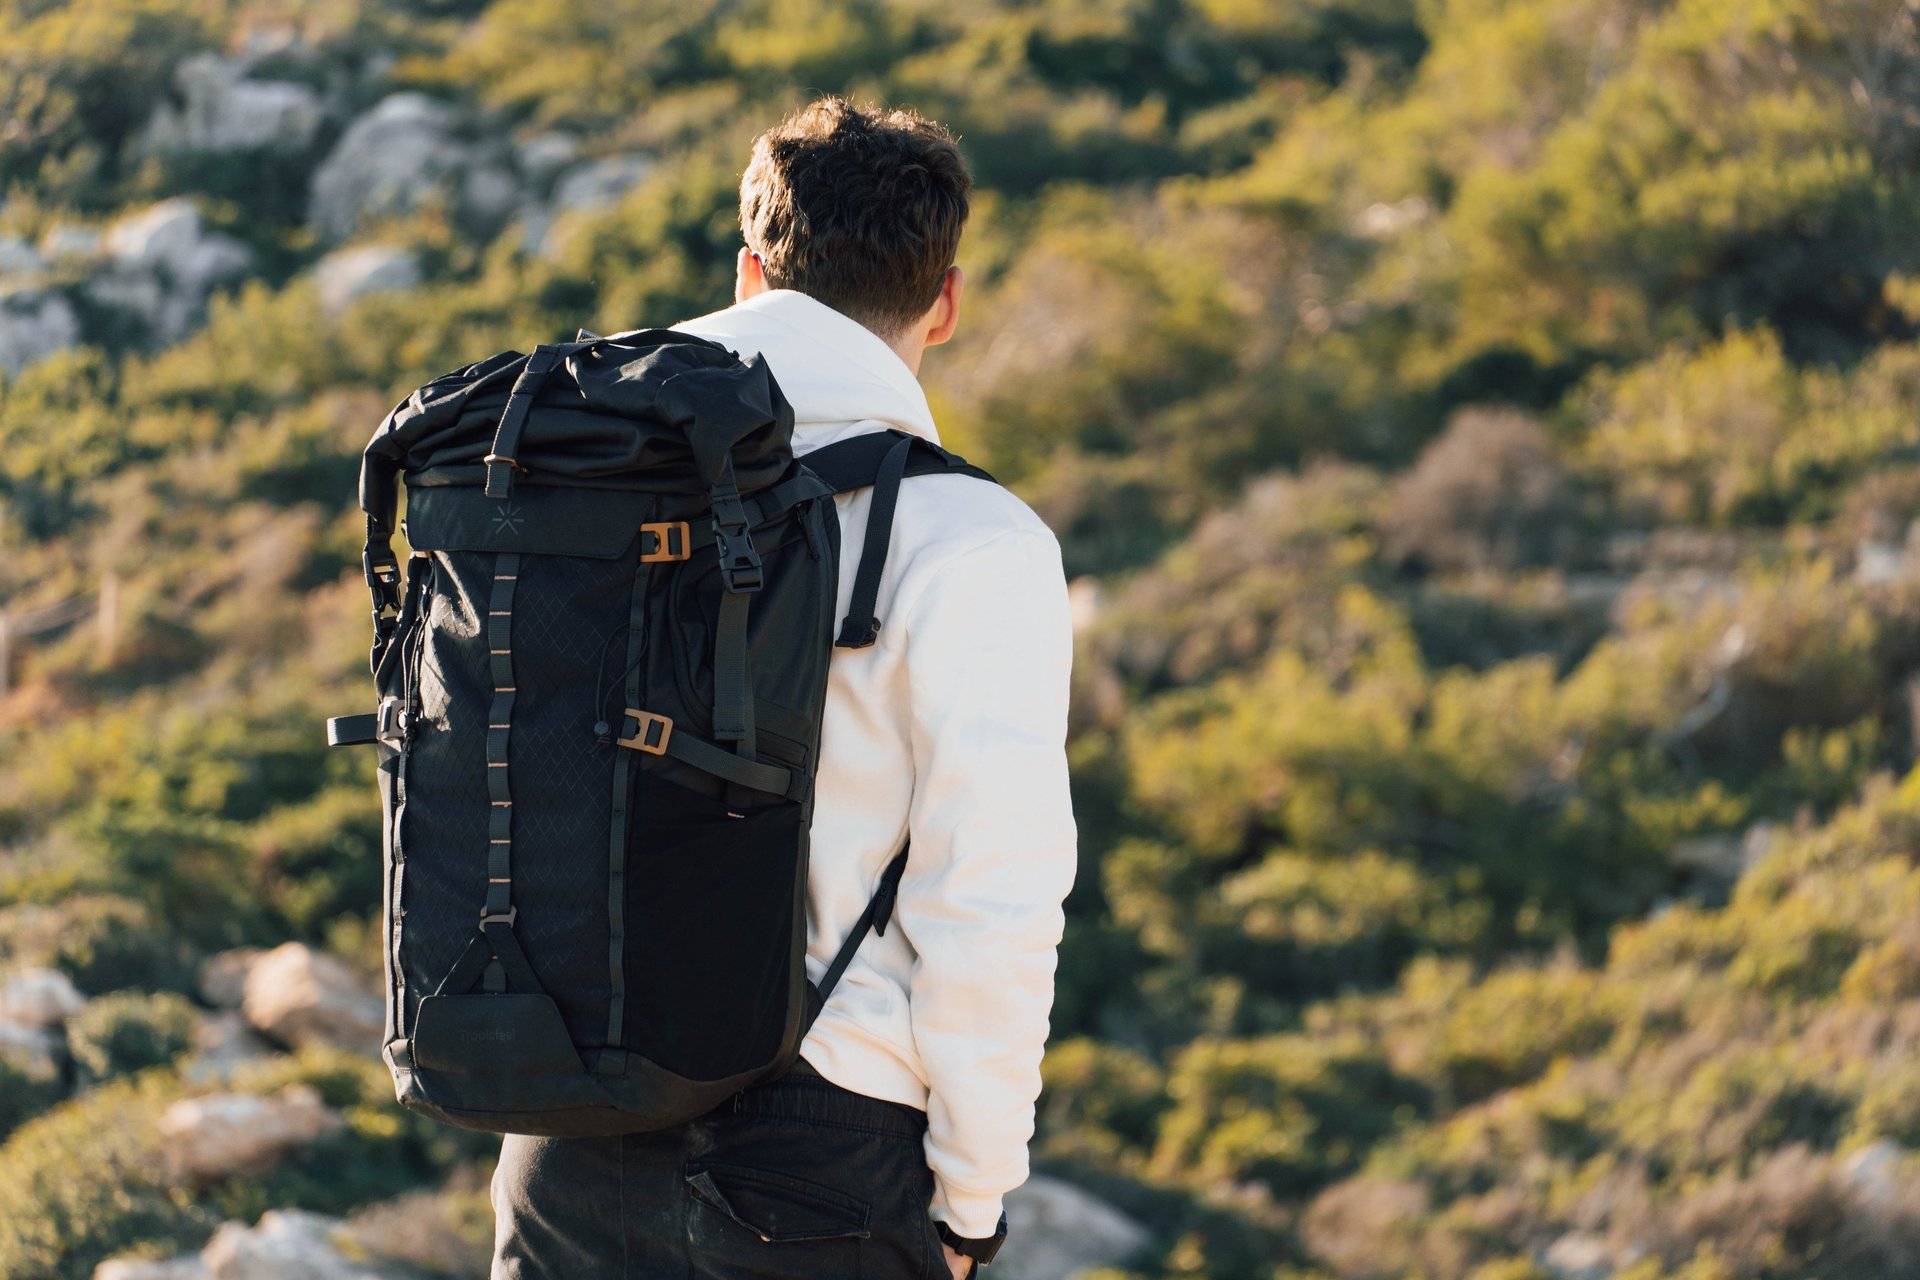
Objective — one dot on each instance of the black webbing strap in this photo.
(617, 833)
(861, 626)
(881, 459)
(741, 572)
(879, 911)
(656, 735)
(496, 915)
(502, 459)
(353, 731)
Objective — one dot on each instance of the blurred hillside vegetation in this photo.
(1483, 433)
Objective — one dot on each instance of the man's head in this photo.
(861, 209)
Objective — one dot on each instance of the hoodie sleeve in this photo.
(989, 645)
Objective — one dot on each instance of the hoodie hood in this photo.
(840, 378)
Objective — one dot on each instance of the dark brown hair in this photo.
(858, 207)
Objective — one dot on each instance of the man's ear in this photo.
(945, 315)
(749, 275)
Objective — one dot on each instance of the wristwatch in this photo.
(981, 1251)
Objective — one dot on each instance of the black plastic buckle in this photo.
(507, 917)
(739, 562)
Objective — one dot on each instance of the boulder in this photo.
(223, 976)
(223, 1042)
(298, 996)
(1579, 1255)
(18, 258)
(221, 1135)
(171, 239)
(599, 184)
(34, 1052)
(39, 998)
(164, 263)
(546, 154)
(223, 110)
(186, 1267)
(63, 243)
(286, 1244)
(34, 324)
(1876, 1172)
(347, 275)
(389, 161)
(1056, 1231)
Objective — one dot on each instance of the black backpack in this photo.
(600, 693)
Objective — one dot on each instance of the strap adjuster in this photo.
(506, 917)
(673, 540)
(653, 732)
(739, 562)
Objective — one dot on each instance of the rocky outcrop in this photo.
(1056, 1231)
(1579, 1256)
(389, 161)
(223, 976)
(35, 1053)
(298, 996)
(346, 276)
(39, 998)
(224, 1135)
(222, 109)
(286, 1244)
(163, 261)
(34, 324)
(189, 1267)
(223, 1042)
(18, 258)
(66, 243)
(599, 184)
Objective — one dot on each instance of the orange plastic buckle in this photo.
(673, 540)
(644, 738)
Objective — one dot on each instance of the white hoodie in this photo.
(951, 728)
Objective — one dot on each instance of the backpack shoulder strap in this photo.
(881, 460)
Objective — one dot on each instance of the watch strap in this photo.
(981, 1251)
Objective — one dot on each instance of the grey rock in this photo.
(1579, 1256)
(389, 161)
(286, 1244)
(34, 1052)
(347, 275)
(18, 258)
(298, 996)
(221, 1135)
(223, 976)
(546, 154)
(1056, 1231)
(63, 243)
(489, 194)
(164, 263)
(39, 997)
(34, 325)
(222, 1043)
(599, 184)
(186, 1267)
(223, 110)
(1875, 1172)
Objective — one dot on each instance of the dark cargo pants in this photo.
(798, 1179)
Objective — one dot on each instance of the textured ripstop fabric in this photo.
(568, 611)
(443, 828)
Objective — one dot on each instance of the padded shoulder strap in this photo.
(880, 459)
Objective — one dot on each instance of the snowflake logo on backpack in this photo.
(507, 521)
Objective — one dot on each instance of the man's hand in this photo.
(959, 1264)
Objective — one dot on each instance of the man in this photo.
(887, 1151)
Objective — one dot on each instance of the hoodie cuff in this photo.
(975, 1217)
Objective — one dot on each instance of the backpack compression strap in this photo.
(880, 459)
(875, 918)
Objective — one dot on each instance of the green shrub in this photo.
(125, 1032)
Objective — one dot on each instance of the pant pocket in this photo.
(761, 1224)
